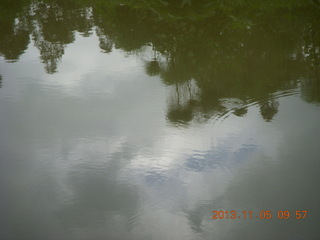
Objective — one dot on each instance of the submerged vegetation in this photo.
(209, 51)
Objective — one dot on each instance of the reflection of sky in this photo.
(91, 147)
(218, 158)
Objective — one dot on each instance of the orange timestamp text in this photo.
(264, 214)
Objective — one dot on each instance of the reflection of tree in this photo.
(268, 109)
(13, 45)
(0, 81)
(230, 54)
(182, 103)
(180, 114)
(105, 43)
(310, 86)
(50, 54)
(244, 64)
(14, 34)
(153, 67)
(56, 22)
(240, 63)
(240, 112)
(52, 25)
(316, 3)
(53, 21)
(310, 89)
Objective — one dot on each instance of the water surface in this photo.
(134, 121)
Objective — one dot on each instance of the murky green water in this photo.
(136, 120)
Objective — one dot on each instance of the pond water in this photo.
(137, 121)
